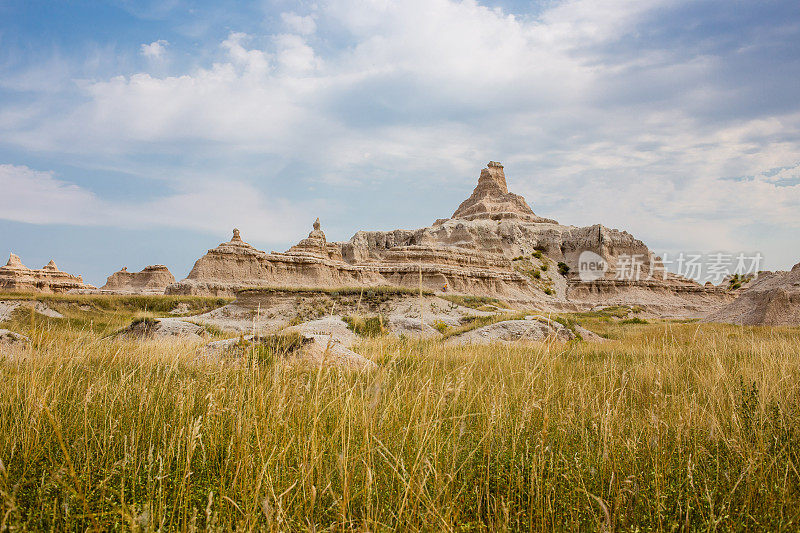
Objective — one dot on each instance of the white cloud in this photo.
(304, 25)
(592, 126)
(38, 197)
(155, 50)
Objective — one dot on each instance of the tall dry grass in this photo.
(672, 427)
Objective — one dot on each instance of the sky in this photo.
(136, 133)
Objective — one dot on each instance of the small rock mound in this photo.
(332, 326)
(9, 339)
(317, 350)
(411, 327)
(164, 328)
(532, 328)
(773, 299)
(152, 279)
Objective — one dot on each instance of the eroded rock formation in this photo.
(152, 279)
(772, 299)
(16, 277)
(494, 245)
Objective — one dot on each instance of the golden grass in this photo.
(669, 427)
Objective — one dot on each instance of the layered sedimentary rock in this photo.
(476, 251)
(153, 279)
(16, 277)
(772, 299)
(491, 199)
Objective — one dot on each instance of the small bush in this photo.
(634, 320)
(538, 254)
(372, 326)
(440, 326)
(265, 350)
(563, 268)
(536, 274)
(549, 291)
(544, 267)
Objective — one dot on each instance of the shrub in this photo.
(538, 254)
(366, 326)
(563, 268)
(440, 326)
(544, 267)
(634, 320)
(549, 291)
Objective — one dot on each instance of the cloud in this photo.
(155, 50)
(38, 197)
(629, 113)
(303, 25)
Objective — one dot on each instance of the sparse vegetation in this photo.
(341, 291)
(475, 302)
(563, 268)
(440, 326)
(371, 326)
(634, 320)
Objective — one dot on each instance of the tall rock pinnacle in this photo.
(491, 199)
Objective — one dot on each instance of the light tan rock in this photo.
(10, 340)
(772, 299)
(16, 277)
(313, 349)
(534, 329)
(491, 199)
(153, 279)
(474, 252)
(331, 326)
(164, 328)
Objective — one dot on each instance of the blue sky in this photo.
(134, 133)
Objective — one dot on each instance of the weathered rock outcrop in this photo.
(772, 299)
(486, 248)
(16, 277)
(152, 279)
(491, 199)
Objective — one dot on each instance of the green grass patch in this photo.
(371, 326)
(475, 302)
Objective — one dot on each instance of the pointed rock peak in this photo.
(491, 199)
(15, 262)
(317, 224)
(50, 266)
(493, 177)
(236, 236)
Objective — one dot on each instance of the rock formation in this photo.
(492, 245)
(772, 299)
(152, 279)
(491, 199)
(16, 277)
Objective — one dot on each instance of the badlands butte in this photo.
(493, 247)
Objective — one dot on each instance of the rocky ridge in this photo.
(16, 277)
(771, 299)
(153, 279)
(493, 245)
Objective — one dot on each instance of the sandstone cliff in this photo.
(153, 279)
(16, 277)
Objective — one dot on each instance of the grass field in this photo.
(668, 426)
